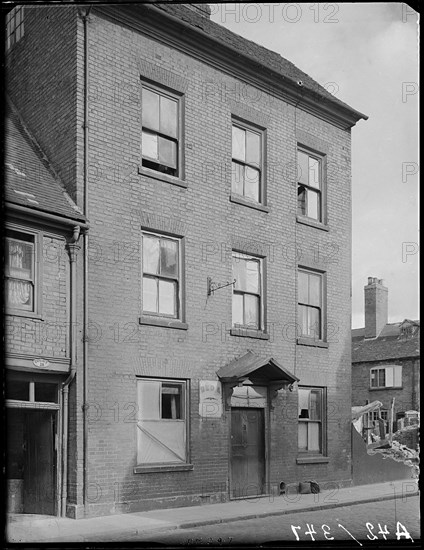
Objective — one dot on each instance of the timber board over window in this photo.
(162, 424)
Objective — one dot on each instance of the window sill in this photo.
(26, 314)
(157, 468)
(312, 223)
(244, 202)
(384, 388)
(312, 342)
(249, 333)
(161, 177)
(167, 323)
(312, 460)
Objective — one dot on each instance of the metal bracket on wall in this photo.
(216, 286)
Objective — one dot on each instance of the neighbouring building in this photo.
(385, 358)
(211, 356)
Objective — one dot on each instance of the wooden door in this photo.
(247, 452)
(39, 463)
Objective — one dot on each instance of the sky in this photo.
(366, 54)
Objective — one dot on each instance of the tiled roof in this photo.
(28, 180)
(392, 343)
(260, 54)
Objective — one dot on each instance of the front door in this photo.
(247, 452)
(39, 463)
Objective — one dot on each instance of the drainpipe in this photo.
(84, 14)
(73, 250)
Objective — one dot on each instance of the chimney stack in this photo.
(376, 307)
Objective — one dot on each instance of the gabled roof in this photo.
(254, 367)
(29, 181)
(393, 342)
(267, 58)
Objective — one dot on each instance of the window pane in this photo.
(237, 178)
(167, 291)
(167, 152)
(150, 298)
(303, 287)
(303, 320)
(252, 276)
(150, 108)
(303, 436)
(237, 309)
(303, 397)
(168, 117)
(386, 377)
(313, 208)
(314, 322)
(313, 436)
(301, 200)
(149, 145)
(171, 401)
(314, 290)
(302, 167)
(169, 258)
(20, 294)
(251, 311)
(239, 147)
(315, 405)
(19, 259)
(17, 389)
(314, 172)
(374, 381)
(150, 255)
(239, 273)
(46, 392)
(253, 148)
(148, 399)
(251, 184)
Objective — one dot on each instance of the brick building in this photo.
(385, 357)
(214, 278)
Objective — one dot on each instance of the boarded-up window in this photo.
(161, 427)
(311, 432)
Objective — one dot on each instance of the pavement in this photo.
(32, 528)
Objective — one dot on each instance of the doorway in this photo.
(247, 469)
(31, 465)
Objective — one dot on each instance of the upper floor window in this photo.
(247, 292)
(247, 162)
(386, 377)
(161, 140)
(311, 420)
(14, 26)
(20, 272)
(310, 304)
(161, 275)
(309, 185)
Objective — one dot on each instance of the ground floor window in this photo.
(311, 436)
(162, 421)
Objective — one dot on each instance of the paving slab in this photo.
(30, 528)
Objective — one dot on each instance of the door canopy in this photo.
(256, 370)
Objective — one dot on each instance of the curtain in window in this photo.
(19, 266)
